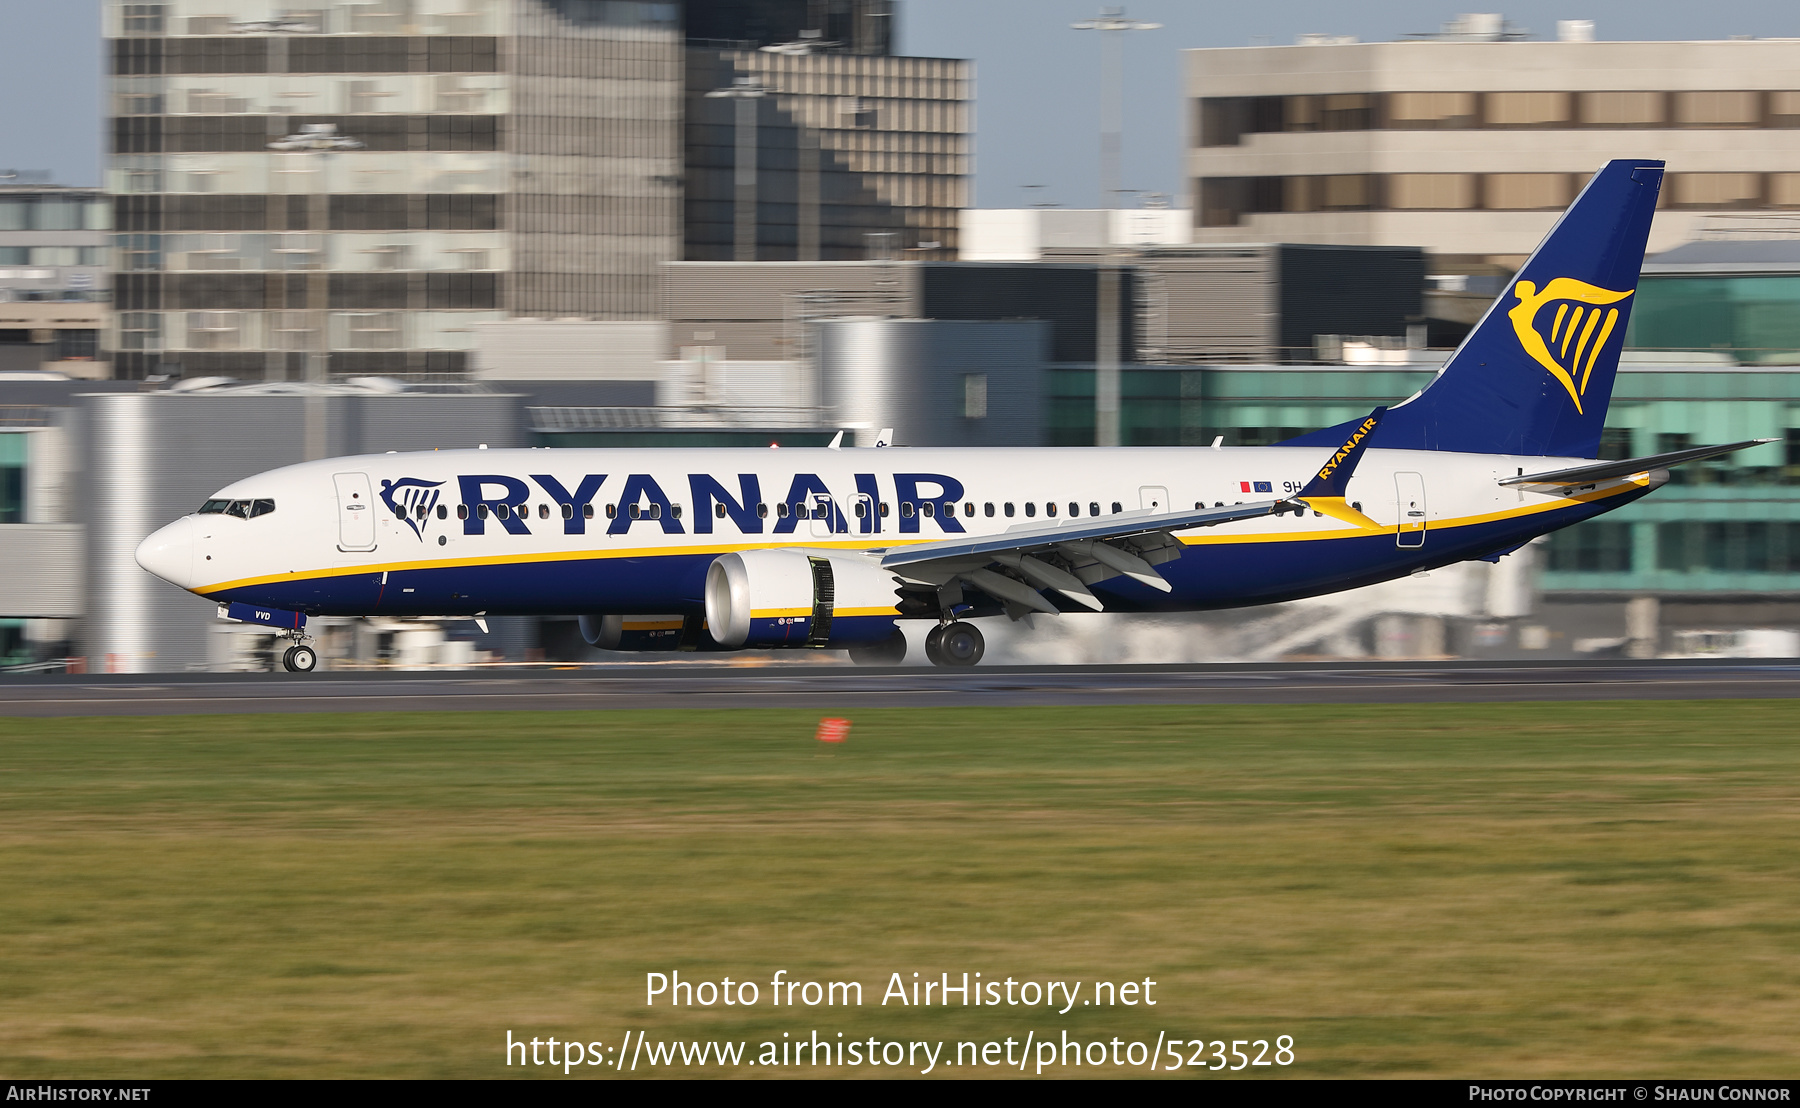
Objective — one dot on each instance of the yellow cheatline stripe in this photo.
(885, 543)
(836, 613)
(1634, 481)
(882, 542)
(657, 625)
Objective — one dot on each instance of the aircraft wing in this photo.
(1601, 471)
(1013, 566)
(1130, 544)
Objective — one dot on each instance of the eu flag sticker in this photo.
(1265, 486)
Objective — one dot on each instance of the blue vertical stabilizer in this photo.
(1536, 374)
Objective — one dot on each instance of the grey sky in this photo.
(1037, 81)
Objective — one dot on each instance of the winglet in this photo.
(1325, 492)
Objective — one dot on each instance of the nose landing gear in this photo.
(955, 645)
(300, 658)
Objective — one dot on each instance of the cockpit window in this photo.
(242, 509)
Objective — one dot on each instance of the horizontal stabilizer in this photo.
(1601, 471)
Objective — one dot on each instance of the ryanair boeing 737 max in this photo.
(828, 548)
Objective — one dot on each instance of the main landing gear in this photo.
(300, 658)
(955, 645)
(891, 651)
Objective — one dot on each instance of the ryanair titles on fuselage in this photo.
(501, 500)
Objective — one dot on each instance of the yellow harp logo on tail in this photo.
(1568, 341)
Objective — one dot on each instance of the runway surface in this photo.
(841, 688)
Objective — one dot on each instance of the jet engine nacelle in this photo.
(799, 598)
(632, 632)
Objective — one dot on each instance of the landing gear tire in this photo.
(956, 645)
(932, 638)
(890, 651)
(300, 659)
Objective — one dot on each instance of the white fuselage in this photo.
(335, 543)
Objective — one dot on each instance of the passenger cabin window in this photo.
(988, 509)
(543, 511)
(718, 511)
(587, 511)
(481, 511)
(884, 509)
(1074, 509)
(443, 512)
(612, 511)
(462, 511)
(1117, 508)
(929, 509)
(762, 511)
(968, 507)
(781, 510)
(906, 509)
(1093, 509)
(1030, 509)
(568, 511)
(1008, 509)
(1050, 508)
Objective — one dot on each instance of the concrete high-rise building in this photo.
(855, 155)
(54, 275)
(516, 157)
(349, 188)
(1470, 142)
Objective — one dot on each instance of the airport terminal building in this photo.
(1470, 141)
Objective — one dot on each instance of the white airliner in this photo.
(829, 548)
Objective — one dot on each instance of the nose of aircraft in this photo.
(169, 553)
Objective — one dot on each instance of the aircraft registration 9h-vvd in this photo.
(726, 549)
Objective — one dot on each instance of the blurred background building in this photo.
(352, 188)
(1469, 141)
(55, 275)
(389, 224)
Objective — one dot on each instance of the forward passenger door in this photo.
(356, 511)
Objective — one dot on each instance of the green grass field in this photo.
(1457, 890)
